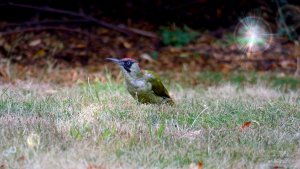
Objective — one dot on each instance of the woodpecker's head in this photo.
(129, 66)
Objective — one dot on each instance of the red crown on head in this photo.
(130, 59)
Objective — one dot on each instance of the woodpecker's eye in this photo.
(127, 63)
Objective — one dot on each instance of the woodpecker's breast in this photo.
(141, 90)
(139, 85)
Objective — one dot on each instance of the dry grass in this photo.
(101, 126)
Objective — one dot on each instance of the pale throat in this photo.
(134, 78)
(135, 72)
(133, 75)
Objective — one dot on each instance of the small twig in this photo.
(122, 29)
(46, 22)
(34, 29)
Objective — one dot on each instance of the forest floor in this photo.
(25, 51)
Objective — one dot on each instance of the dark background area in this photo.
(210, 14)
(178, 35)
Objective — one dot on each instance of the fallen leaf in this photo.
(2, 166)
(33, 140)
(22, 158)
(225, 68)
(198, 165)
(147, 57)
(3, 74)
(7, 47)
(277, 167)
(80, 46)
(92, 166)
(245, 125)
(51, 91)
(74, 75)
(127, 45)
(35, 42)
(2, 41)
(288, 64)
(39, 53)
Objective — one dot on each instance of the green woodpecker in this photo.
(145, 86)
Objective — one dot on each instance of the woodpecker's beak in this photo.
(117, 61)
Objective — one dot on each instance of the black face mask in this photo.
(127, 65)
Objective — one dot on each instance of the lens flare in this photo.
(253, 34)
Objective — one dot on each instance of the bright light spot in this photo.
(253, 34)
(33, 140)
(9, 151)
(87, 114)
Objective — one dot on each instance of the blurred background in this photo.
(63, 41)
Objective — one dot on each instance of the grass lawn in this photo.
(96, 126)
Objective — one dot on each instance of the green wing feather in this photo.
(157, 87)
